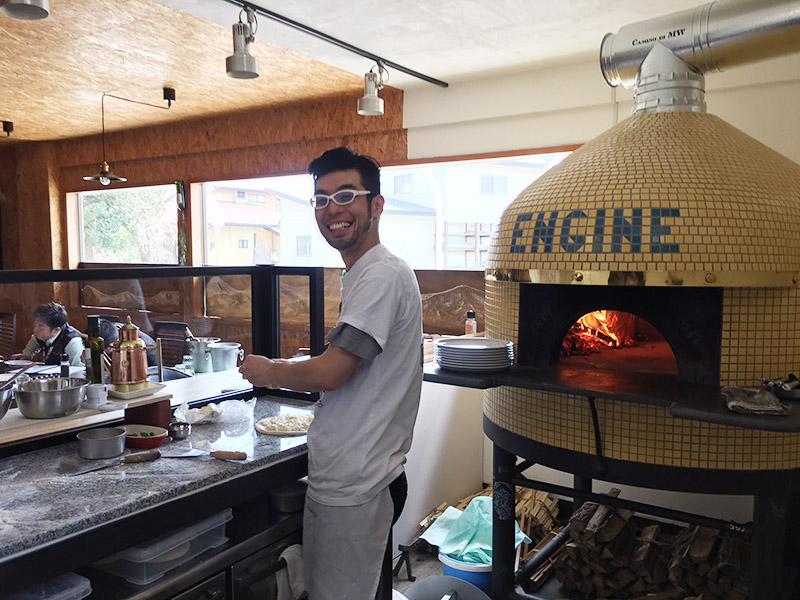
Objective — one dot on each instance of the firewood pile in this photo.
(611, 555)
(536, 512)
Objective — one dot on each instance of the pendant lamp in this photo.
(105, 176)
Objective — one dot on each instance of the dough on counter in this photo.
(285, 425)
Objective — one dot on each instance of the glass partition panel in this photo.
(294, 315)
(215, 306)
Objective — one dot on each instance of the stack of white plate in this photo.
(477, 355)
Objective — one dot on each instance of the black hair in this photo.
(51, 314)
(344, 159)
(109, 331)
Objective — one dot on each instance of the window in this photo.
(303, 245)
(243, 243)
(492, 184)
(240, 194)
(403, 184)
(443, 220)
(466, 245)
(129, 225)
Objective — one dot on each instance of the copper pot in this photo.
(128, 359)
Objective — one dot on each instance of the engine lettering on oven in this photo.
(612, 230)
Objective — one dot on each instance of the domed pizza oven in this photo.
(674, 240)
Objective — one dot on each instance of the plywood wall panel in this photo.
(240, 163)
(8, 205)
(261, 142)
(36, 191)
(305, 121)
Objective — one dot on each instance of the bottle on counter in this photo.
(64, 365)
(96, 344)
(471, 324)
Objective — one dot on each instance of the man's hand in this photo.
(260, 371)
(320, 373)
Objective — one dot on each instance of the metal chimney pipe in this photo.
(711, 37)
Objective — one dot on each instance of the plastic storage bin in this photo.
(68, 586)
(478, 575)
(148, 562)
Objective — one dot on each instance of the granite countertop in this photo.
(40, 505)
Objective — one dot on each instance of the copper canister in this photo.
(129, 360)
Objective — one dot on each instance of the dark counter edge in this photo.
(88, 546)
(684, 401)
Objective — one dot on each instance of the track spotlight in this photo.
(370, 104)
(26, 10)
(241, 64)
(8, 128)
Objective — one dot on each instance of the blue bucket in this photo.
(479, 575)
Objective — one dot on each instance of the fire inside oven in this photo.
(626, 329)
(618, 340)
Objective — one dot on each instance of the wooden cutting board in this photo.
(15, 428)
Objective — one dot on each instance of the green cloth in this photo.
(467, 536)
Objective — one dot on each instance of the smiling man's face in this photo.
(353, 228)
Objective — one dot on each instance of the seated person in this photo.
(109, 331)
(52, 337)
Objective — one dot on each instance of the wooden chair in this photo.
(8, 332)
(173, 340)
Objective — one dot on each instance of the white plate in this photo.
(475, 369)
(475, 355)
(151, 388)
(477, 361)
(472, 343)
(17, 364)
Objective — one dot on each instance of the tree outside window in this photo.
(130, 225)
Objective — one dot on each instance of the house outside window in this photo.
(436, 215)
(493, 184)
(303, 245)
(403, 184)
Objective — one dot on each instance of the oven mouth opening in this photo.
(617, 341)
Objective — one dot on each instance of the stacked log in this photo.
(611, 555)
(536, 512)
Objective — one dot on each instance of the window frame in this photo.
(75, 230)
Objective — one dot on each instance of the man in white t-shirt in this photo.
(371, 377)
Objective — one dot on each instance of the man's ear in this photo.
(377, 206)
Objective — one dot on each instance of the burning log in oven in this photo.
(599, 330)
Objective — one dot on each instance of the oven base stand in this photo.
(772, 507)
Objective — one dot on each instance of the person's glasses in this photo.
(342, 197)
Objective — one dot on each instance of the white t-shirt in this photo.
(362, 431)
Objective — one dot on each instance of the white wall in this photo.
(571, 104)
(445, 462)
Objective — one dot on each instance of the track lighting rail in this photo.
(335, 41)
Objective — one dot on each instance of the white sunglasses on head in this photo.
(340, 198)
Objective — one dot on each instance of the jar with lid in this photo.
(471, 323)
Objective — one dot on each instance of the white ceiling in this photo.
(445, 39)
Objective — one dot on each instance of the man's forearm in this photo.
(312, 375)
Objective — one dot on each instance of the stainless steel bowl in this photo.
(105, 442)
(50, 398)
(179, 430)
(6, 396)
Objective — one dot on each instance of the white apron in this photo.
(343, 548)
